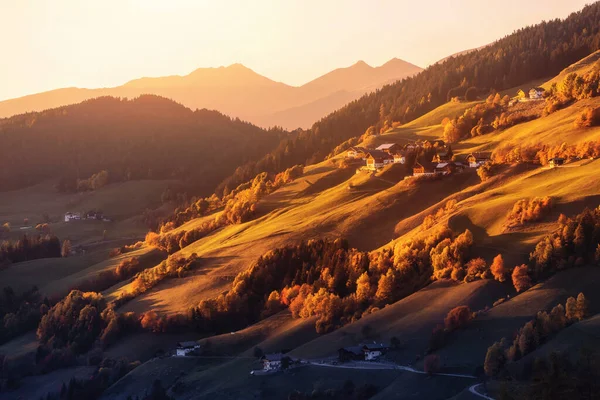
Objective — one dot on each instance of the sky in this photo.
(64, 43)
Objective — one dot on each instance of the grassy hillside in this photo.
(467, 349)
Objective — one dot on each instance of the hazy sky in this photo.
(50, 44)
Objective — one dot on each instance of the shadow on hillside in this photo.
(514, 246)
(327, 182)
(575, 207)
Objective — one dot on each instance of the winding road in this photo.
(387, 366)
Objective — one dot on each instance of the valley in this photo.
(436, 237)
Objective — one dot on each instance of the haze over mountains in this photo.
(239, 92)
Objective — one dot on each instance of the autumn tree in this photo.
(431, 364)
(363, 287)
(66, 248)
(497, 268)
(520, 278)
(385, 287)
(494, 359)
(457, 318)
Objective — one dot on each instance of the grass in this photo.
(468, 348)
(122, 202)
(411, 319)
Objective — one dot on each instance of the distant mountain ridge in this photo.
(239, 92)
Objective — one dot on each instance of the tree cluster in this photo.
(238, 206)
(19, 313)
(475, 121)
(576, 242)
(572, 88)
(528, 210)
(29, 248)
(588, 118)
(107, 138)
(535, 333)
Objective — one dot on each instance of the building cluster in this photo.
(534, 94)
(90, 215)
(277, 361)
(366, 352)
(187, 348)
(443, 162)
(389, 153)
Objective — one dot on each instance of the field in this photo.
(122, 203)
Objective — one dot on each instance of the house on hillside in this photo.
(536, 93)
(185, 348)
(71, 216)
(275, 361)
(356, 152)
(556, 161)
(95, 215)
(443, 155)
(400, 158)
(389, 148)
(478, 158)
(445, 168)
(351, 353)
(423, 169)
(373, 351)
(377, 159)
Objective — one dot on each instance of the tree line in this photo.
(86, 145)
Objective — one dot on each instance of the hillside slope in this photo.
(148, 137)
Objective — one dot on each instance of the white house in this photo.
(377, 159)
(185, 348)
(477, 159)
(374, 351)
(399, 159)
(272, 362)
(69, 216)
(536, 93)
(356, 152)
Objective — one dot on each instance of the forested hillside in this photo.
(110, 140)
(530, 53)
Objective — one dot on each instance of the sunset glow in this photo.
(48, 45)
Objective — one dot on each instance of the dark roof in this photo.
(358, 148)
(357, 350)
(375, 346)
(186, 345)
(273, 357)
(538, 89)
(378, 154)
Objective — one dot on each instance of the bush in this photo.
(431, 364)
(525, 211)
(457, 318)
(520, 278)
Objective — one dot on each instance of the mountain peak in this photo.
(362, 64)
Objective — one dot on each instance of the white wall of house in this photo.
(399, 160)
(271, 365)
(372, 354)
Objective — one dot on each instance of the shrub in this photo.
(494, 360)
(520, 278)
(431, 364)
(497, 268)
(525, 211)
(457, 318)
